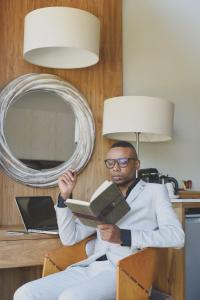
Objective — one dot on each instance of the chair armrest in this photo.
(140, 266)
(59, 259)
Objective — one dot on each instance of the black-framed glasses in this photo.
(122, 162)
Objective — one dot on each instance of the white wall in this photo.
(161, 57)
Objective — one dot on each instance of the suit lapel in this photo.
(136, 191)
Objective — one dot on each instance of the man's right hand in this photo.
(66, 184)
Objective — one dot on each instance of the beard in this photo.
(123, 181)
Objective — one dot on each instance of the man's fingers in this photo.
(105, 226)
(72, 175)
(65, 179)
(68, 178)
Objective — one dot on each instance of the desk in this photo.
(21, 258)
(26, 249)
(171, 273)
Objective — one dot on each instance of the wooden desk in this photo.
(21, 258)
(26, 249)
(171, 273)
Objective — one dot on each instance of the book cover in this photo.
(106, 206)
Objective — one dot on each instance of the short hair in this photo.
(124, 144)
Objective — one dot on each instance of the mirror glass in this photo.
(46, 128)
(40, 129)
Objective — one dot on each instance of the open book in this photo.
(107, 206)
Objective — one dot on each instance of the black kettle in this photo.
(152, 175)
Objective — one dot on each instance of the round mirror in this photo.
(46, 128)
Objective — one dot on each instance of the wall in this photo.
(94, 82)
(161, 46)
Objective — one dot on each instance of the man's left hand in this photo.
(110, 233)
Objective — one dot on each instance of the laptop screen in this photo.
(37, 212)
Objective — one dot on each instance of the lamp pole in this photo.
(137, 148)
(137, 143)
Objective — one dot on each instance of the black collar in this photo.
(132, 186)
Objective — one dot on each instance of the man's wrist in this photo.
(125, 236)
(64, 195)
(61, 201)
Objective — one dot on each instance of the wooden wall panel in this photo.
(97, 83)
(12, 278)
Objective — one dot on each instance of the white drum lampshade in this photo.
(138, 118)
(61, 37)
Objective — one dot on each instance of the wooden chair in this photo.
(135, 273)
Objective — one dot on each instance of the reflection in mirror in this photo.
(40, 129)
(46, 90)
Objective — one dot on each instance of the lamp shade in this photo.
(61, 37)
(126, 115)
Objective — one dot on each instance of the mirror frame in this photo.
(17, 170)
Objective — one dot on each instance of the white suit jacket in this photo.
(152, 221)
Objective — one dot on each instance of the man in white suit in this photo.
(151, 222)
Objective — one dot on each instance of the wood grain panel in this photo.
(12, 278)
(189, 194)
(170, 273)
(97, 83)
(29, 252)
(128, 289)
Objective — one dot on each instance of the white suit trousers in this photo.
(94, 282)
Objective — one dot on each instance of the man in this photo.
(151, 222)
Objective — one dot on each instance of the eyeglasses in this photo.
(122, 162)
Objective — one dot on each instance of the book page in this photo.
(79, 202)
(100, 189)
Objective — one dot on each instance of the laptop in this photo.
(38, 214)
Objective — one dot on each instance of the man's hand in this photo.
(66, 183)
(110, 233)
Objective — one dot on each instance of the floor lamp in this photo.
(138, 118)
